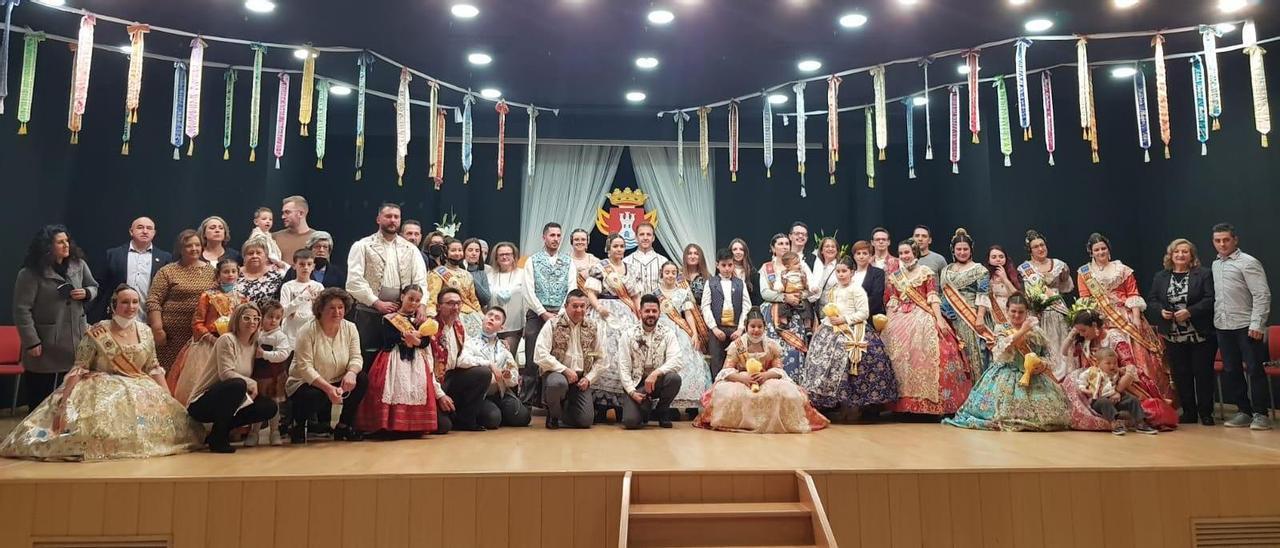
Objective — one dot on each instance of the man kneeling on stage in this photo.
(464, 382)
(567, 349)
(649, 353)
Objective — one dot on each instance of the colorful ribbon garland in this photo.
(27, 85)
(282, 116)
(1201, 103)
(80, 87)
(955, 128)
(438, 167)
(322, 120)
(195, 79)
(73, 121)
(833, 126)
(4, 52)
(1258, 82)
(1050, 132)
(801, 151)
(433, 88)
(307, 94)
(975, 116)
(533, 139)
(928, 117)
(767, 125)
(882, 111)
(402, 126)
(680, 119)
(228, 109)
(365, 61)
(1088, 110)
(911, 136)
(871, 147)
(733, 141)
(1162, 94)
(1144, 117)
(704, 140)
(1002, 110)
(133, 88)
(255, 101)
(179, 117)
(502, 108)
(1020, 72)
(126, 134)
(468, 137)
(1209, 36)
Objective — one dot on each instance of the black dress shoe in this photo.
(1187, 419)
(346, 433)
(471, 428)
(664, 423)
(298, 434)
(553, 424)
(219, 444)
(1207, 421)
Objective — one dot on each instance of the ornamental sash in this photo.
(102, 338)
(966, 312)
(796, 341)
(997, 313)
(903, 285)
(1108, 310)
(1031, 275)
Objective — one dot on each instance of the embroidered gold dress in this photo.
(441, 277)
(109, 413)
(780, 407)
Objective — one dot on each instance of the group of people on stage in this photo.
(416, 334)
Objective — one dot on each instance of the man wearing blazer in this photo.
(134, 263)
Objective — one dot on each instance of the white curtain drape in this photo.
(686, 211)
(571, 184)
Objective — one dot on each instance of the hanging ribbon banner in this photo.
(4, 52)
(533, 139)
(1209, 36)
(27, 85)
(126, 135)
(133, 89)
(1144, 117)
(911, 136)
(955, 128)
(1258, 82)
(195, 79)
(1024, 102)
(364, 62)
(307, 94)
(437, 168)
(322, 120)
(228, 108)
(882, 111)
(402, 127)
(680, 119)
(928, 118)
(1202, 104)
(255, 101)
(871, 147)
(73, 121)
(468, 135)
(704, 141)
(178, 120)
(1006, 132)
(434, 95)
(282, 117)
(502, 110)
(1050, 132)
(833, 126)
(798, 89)
(768, 136)
(975, 115)
(733, 141)
(1162, 95)
(84, 60)
(1088, 112)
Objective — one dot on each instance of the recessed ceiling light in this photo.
(809, 65)
(635, 96)
(1125, 4)
(908, 2)
(1038, 25)
(302, 53)
(260, 6)
(964, 69)
(661, 17)
(490, 93)
(1018, 2)
(853, 20)
(54, 3)
(1229, 6)
(647, 62)
(778, 99)
(920, 101)
(1123, 72)
(1225, 27)
(464, 11)
(479, 58)
(340, 91)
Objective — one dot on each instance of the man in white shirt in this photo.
(644, 263)
(378, 266)
(501, 406)
(566, 352)
(133, 264)
(1242, 303)
(548, 276)
(463, 381)
(725, 304)
(649, 369)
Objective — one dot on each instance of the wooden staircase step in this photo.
(719, 510)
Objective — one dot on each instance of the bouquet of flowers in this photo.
(1086, 303)
(844, 250)
(449, 225)
(1040, 297)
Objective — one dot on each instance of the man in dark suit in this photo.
(328, 272)
(134, 263)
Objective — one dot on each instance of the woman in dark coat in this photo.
(49, 300)
(1180, 306)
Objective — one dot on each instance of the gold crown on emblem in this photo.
(627, 197)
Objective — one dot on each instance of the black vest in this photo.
(717, 298)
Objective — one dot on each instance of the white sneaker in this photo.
(252, 439)
(275, 437)
(1260, 422)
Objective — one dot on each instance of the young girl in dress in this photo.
(272, 368)
(212, 318)
(404, 394)
(678, 317)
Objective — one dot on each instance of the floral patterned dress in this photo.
(111, 413)
(932, 376)
(973, 284)
(779, 407)
(998, 402)
(610, 282)
(829, 375)
(263, 288)
(695, 373)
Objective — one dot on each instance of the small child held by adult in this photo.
(794, 282)
(263, 220)
(1109, 389)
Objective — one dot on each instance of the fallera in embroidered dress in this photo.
(932, 376)
(780, 407)
(695, 374)
(998, 402)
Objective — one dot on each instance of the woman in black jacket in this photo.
(1180, 305)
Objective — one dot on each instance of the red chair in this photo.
(1217, 375)
(10, 361)
(1272, 366)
